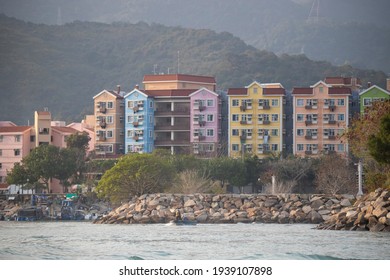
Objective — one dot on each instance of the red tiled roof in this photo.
(302, 91)
(274, 91)
(341, 81)
(340, 90)
(179, 77)
(237, 91)
(169, 92)
(6, 129)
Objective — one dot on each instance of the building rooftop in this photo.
(64, 129)
(274, 91)
(8, 129)
(179, 77)
(302, 91)
(169, 92)
(237, 91)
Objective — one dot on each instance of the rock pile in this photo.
(371, 212)
(229, 208)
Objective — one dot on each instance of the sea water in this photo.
(87, 241)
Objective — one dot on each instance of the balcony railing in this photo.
(243, 108)
(176, 112)
(103, 110)
(169, 142)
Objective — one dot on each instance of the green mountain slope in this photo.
(63, 67)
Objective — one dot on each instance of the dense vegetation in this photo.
(63, 67)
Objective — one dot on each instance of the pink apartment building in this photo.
(320, 117)
(205, 122)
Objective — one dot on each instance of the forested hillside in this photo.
(355, 32)
(63, 67)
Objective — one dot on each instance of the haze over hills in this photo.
(355, 32)
(63, 67)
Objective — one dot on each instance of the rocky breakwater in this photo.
(228, 208)
(370, 212)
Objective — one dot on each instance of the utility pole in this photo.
(360, 178)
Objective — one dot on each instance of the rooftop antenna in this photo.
(178, 62)
(314, 11)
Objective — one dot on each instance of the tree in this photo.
(135, 175)
(227, 170)
(79, 143)
(335, 176)
(191, 181)
(66, 167)
(364, 128)
(379, 143)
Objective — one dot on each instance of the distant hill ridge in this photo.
(63, 67)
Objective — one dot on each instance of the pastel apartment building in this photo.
(205, 123)
(139, 122)
(109, 111)
(161, 116)
(16, 142)
(256, 120)
(321, 115)
(373, 94)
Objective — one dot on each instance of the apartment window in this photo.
(248, 148)
(151, 104)
(235, 103)
(210, 118)
(17, 138)
(130, 133)
(300, 102)
(340, 117)
(274, 132)
(130, 119)
(17, 152)
(1, 179)
(300, 147)
(1, 165)
(130, 104)
(275, 117)
(255, 90)
(340, 147)
(210, 132)
(274, 147)
(235, 132)
(300, 117)
(110, 119)
(300, 132)
(110, 105)
(1, 152)
(311, 147)
(340, 102)
(1, 138)
(235, 147)
(235, 118)
(109, 134)
(321, 89)
(275, 102)
(210, 103)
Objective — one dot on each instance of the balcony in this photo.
(332, 122)
(243, 137)
(135, 124)
(103, 124)
(332, 137)
(328, 152)
(202, 123)
(266, 122)
(243, 108)
(202, 108)
(177, 112)
(308, 137)
(103, 110)
(308, 122)
(332, 107)
(308, 152)
(169, 142)
(243, 122)
(136, 109)
(165, 127)
(201, 138)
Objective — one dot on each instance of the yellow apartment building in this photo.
(256, 120)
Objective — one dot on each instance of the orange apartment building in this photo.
(320, 117)
(109, 111)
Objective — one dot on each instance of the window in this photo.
(300, 147)
(321, 89)
(130, 104)
(274, 147)
(210, 103)
(130, 133)
(235, 147)
(1, 152)
(150, 134)
(340, 102)
(110, 105)
(340, 117)
(255, 90)
(130, 119)
(235, 132)
(17, 138)
(235, 118)
(300, 102)
(275, 117)
(340, 147)
(110, 119)
(210, 118)
(151, 104)
(210, 132)
(17, 152)
(274, 132)
(235, 103)
(109, 134)
(1, 138)
(275, 102)
(367, 102)
(300, 132)
(1, 165)
(300, 117)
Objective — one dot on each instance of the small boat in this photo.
(30, 214)
(185, 222)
